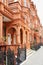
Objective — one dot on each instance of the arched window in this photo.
(24, 2)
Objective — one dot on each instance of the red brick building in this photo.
(19, 23)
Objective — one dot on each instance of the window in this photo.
(15, 0)
(24, 2)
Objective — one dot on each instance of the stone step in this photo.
(29, 52)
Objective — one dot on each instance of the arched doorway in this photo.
(21, 36)
(12, 36)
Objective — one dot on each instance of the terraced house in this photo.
(19, 24)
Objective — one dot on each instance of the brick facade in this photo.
(19, 23)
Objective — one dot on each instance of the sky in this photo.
(39, 6)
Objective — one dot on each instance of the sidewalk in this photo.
(35, 59)
(29, 53)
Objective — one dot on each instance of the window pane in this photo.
(24, 2)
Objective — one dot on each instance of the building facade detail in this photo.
(21, 22)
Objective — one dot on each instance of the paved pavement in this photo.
(35, 59)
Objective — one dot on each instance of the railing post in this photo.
(6, 59)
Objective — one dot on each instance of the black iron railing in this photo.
(21, 55)
(8, 57)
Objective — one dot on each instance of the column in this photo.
(14, 38)
(28, 37)
(6, 36)
(18, 35)
(1, 26)
(24, 37)
(28, 41)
